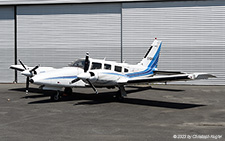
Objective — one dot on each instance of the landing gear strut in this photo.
(121, 93)
(56, 96)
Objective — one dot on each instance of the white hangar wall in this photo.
(55, 35)
(6, 43)
(193, 35)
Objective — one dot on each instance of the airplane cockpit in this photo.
(78, 63)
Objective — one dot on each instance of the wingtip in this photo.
(204, 76)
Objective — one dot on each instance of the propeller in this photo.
(86, 62)
(86, 66)
(86, 75)
(92, 86)
(22, 64)
(28, 73)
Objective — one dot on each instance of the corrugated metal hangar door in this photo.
(6, 43)
(193, 35)
(54, 35)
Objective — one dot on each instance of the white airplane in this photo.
(101, 73)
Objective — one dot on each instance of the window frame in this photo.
(107, 65)
(118, 67)
(96, 68)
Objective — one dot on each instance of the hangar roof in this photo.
(31, 2)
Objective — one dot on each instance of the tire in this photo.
(68, 91)
(119, 97)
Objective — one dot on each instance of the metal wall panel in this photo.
(54, 35)
(6, 43)
(193, 35)
(29, 2)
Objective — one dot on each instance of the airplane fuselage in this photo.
(103, 74)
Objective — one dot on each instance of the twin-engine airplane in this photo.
(101, 73)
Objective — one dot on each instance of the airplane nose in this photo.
(31, 81)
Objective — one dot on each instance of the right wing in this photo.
(172, 77)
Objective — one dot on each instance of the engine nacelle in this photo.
(93, 76)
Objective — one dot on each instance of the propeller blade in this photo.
(28, 73)
(27, 85)
(86, 62)
(22, 64)
(93, 87)
(75, 80)
(34, 68)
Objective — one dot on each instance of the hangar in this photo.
(54, 33)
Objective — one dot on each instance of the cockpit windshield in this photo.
(78, 63)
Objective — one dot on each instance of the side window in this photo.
(107, 66)
(125, 70)
(95, 66)
(118, 68)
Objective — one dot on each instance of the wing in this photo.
(17, 67)
(166, 76)
(167, 72)
(21, 68)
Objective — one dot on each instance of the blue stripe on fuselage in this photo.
(111, 73)
(61, 77)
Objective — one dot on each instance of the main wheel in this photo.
(119, 96)
(68, 91)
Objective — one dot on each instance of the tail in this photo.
(151, 58)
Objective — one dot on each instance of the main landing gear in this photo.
(121, 94)
(58, 95)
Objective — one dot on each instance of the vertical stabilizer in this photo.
(152, 56)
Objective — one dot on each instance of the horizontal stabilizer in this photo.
(167, 72)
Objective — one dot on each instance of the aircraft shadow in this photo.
(160, 89)
(104, 97)
(144, 102)
(109, 97)
(31, 90)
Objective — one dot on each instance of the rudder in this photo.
(151, 58)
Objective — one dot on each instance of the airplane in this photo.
(89, 72)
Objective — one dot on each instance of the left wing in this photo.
(18, 67)
(38, 70)
(172, 77)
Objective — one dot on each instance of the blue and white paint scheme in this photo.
(101, 73)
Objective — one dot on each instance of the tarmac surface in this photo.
(163, 112)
